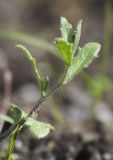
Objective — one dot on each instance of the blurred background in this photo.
(86, 103)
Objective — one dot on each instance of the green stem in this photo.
(65, 76)
(107, 36)
(12, 143)
(22, 121)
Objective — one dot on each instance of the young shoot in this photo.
(75, 60)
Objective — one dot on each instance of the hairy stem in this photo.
(43, 99)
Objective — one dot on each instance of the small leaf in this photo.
(6, 118)
(45, 83)
(39, 129)
(17, 112)
(65, 28)
(70, 36)
(33, 63)
(68, 43)
(84, 57)
(65, 50)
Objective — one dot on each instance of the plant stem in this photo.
(43, 99)
(65, 76)
(12, 143)
(14, 130)
(9, 132)
(33, 63)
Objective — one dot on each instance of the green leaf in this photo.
(68, 43)
(65, 28)
(84, 57)
(26, 52)
(6, 118)
(45, 83)
(17, 112)
(39, 129)
(70, 36)
(65, 50)
(33, 63)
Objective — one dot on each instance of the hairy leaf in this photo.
(33, 63)
(65, 28)
(84, 57)
(69, 40)
(38, 129)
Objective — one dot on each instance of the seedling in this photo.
(75, 60)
